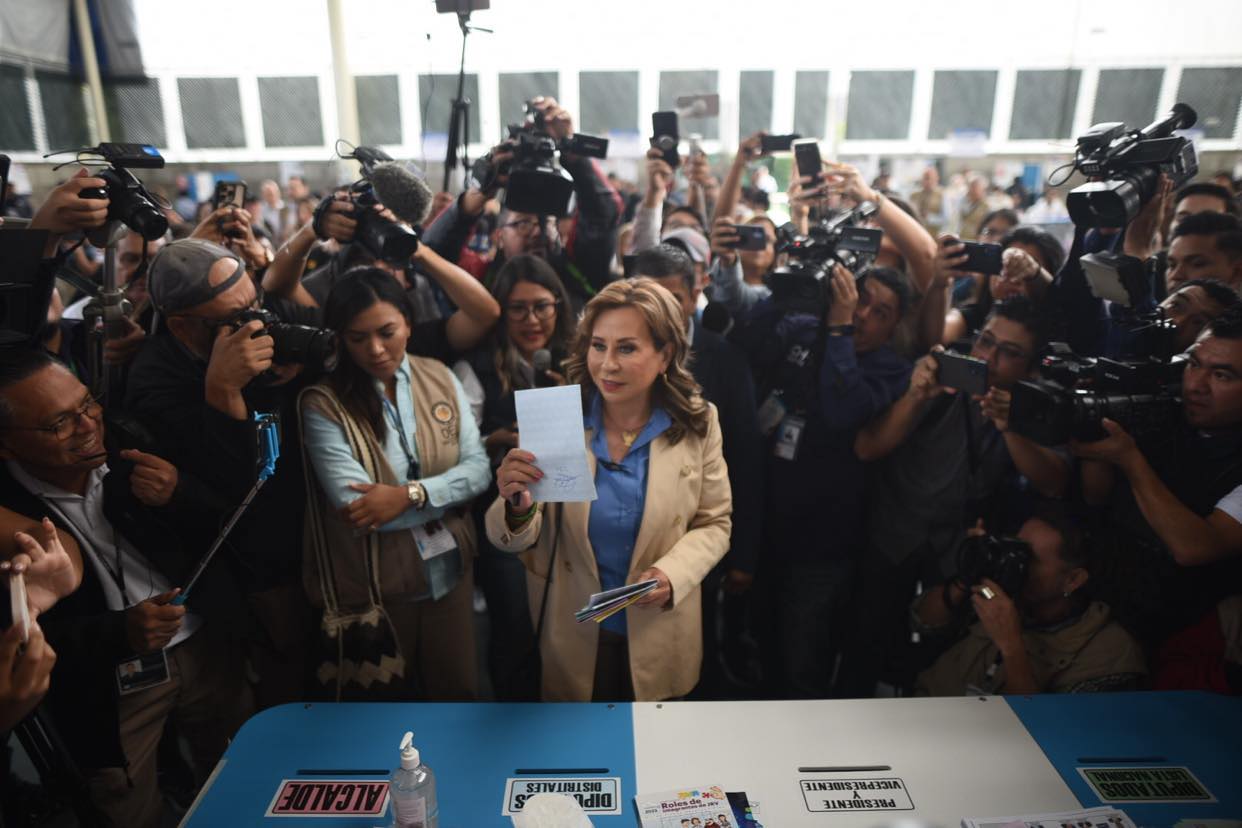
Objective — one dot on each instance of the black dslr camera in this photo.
(129, 202)
(1005, 561)
(537, 182)
(382, 237)
(800, 285)
(1075, 393)
(295, 344)
(1130, 164)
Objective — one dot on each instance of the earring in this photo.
(1066, 594)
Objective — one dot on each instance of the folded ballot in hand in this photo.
(603, 604)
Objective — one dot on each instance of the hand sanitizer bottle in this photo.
(412, 790)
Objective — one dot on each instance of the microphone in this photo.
(542, 363)
(716, 318)
(401, 191)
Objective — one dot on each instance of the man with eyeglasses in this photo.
(947, 459)
(582, 257)
(196, 385)
(129, 660)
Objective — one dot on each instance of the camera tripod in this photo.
(459, 117)
(104, 317)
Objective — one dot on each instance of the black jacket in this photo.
(722, 371)
(89, 639)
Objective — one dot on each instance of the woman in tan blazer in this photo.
(662, 512)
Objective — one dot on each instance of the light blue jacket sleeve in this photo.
(330, 456)
(730, 290)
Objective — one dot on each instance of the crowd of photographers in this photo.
(957, 462)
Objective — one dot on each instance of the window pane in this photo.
(879, 105)
(516, 88)
(961, 100)
(64, 111)
(379, 109)
(674, 85)
(1043, 104)
(435, 96)
(211, 112)
(16, 131)
(811, 104)
(1213, 92)
(609, 102)
(755, 102)
(290, 108)
(135, 112)
(1127, 95)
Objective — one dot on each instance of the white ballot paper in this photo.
(550, 427)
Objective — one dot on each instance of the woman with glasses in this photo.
(663, 511)
(394, 460)
(536, 316)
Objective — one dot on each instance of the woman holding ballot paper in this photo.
(662, 511)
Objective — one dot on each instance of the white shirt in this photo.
(99, 541)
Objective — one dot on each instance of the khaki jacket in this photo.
(399, 566)
(1092, 653)
(684, 532)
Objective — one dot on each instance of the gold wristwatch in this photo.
(417, 494)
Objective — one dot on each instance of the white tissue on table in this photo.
(551, 810)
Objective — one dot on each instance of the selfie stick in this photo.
(269, 452)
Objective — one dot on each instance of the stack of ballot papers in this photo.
(603, 604)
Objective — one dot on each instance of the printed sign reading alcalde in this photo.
(833, 795)
(1168, 784)
(329, 798)
(596, 795)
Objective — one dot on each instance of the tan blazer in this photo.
(684, 532)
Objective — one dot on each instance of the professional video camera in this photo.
(1005, 561)
(1130, 164)
(840, 239)
(295, 344)
(129, 202)
(537, 182)
(1075, 393)
(385, 181)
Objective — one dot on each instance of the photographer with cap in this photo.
(1049, 636)
(582, 258)
(196, 385)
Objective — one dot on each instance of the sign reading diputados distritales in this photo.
(835, 795)
(596, 795)
(329, 798)
(1167, 784)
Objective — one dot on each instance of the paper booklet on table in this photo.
(711, 806)
(1100, 817)
(603, 604)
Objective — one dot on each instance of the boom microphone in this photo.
(401, 191)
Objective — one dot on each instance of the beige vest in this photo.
(394, 555)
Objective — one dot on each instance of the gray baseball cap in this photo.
(178, 276)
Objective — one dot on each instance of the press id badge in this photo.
(142, 672)
(788, 436)
(433, 539)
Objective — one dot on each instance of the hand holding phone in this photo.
(778, 143)
(980, 258)
(808, 160)
(962, 373)
(750, 237)
(665, 136)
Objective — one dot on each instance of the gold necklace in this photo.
(628, 437)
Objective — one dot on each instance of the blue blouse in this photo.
(621, 494)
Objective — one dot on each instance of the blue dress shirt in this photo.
(621, 494)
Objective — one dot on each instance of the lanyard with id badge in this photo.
(436, 544)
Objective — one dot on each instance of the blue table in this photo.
(960, 757)
(1200, 731)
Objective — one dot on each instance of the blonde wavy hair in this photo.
(675, 390)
